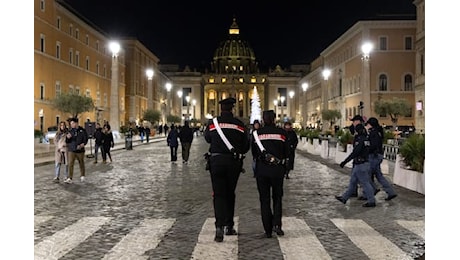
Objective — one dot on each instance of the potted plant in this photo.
(410, 162)
(38, 135)
(413, 152)
(344, 137)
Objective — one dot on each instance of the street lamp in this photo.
(194, 104)
(283, 98)
(275, 102)
(179, 94)
(366, 48)
(304, 86)
(168, 87)
(149, 73)
(366, 91)
(114, 95)
(187, 98)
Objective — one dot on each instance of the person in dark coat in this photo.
(375, 132)
(225, 165)
(270, 170)
(97, 141)
(173, 142)
(186, 138)
(107, 144)
(360, 170)
(292, 140)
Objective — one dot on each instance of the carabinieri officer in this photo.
(226, 165)
(270, 169)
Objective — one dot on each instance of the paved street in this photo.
(142, 206)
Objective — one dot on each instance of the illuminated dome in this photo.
(234, 54)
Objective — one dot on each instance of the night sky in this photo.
(281, 33)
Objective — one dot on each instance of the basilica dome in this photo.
(234, 55)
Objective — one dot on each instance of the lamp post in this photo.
(168, 87)
(326, 73)
(194, 104)
(179, 94)
(282, 99)
(114, 95)
(149, 74)
(291, 96)
(305, 102)
(187, 98)
(275, 102)
(364, 104)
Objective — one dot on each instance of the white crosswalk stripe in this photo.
(298, 243)
(145, 237)
(374, 245)
(207, 248)
(417, 227)
(63, 241)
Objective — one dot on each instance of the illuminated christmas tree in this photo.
(255, 107)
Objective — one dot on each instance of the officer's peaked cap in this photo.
(357, 117)
(227, 101)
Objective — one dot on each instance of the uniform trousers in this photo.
(360, 174)
(375, 160)
(225, 172)
(270, 187)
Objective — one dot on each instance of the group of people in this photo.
(367, 157)
(103, 139)
(184, 134)
(273, 150)
(70, 145)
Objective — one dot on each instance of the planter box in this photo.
(408, 179)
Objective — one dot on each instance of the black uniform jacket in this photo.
(274, 140)
(360, 150)
(376, 140)
(235, 131)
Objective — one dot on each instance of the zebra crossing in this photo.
(299, 242)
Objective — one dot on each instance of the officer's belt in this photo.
(217, 154)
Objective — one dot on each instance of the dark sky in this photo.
(281, 32)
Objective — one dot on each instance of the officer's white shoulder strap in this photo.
(221, 134)
(256, 137)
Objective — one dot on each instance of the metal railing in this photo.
(390, 152)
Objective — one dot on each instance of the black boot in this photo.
(230, 231)
(219, 234)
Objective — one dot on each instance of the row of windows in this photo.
(352, 111)
(354, 85)
(75, 61)
(351, 51)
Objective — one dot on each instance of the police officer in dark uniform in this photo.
(376, 157)
(270, 169)
(226, 165)
(360, 170)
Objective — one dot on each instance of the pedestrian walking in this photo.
(173, 143)
(97, 141)
(186, 138)
(107, 144)
(76, 139)
(375, 132)
(141, 130)
(61, 153)
(228, 139)
(360, 170)
(292, 141)
(147, 134)
(273, 150)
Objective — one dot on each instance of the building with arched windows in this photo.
(72, 54)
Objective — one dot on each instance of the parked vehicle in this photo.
(50, 134)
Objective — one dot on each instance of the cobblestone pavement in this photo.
(142, 206)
